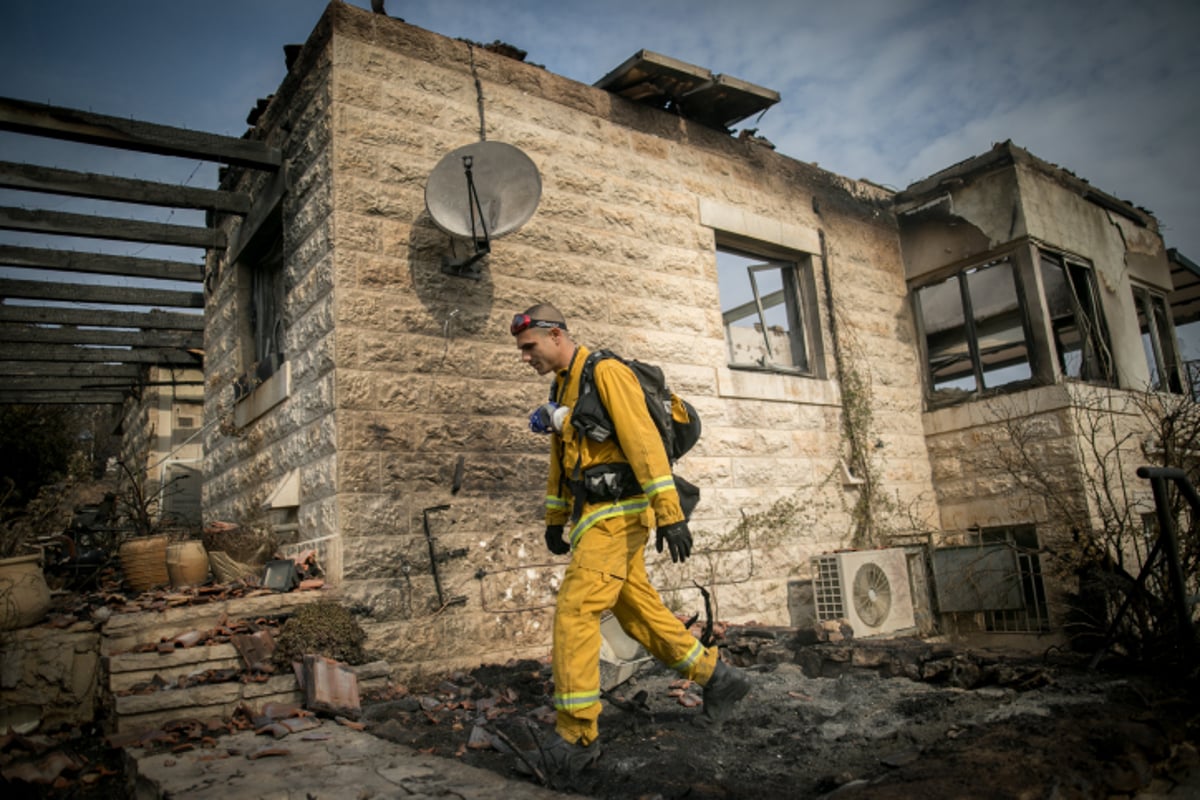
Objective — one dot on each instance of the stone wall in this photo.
(163, 440)
(254, 444)
(49, 676)
(401, 373)
(1063, 458)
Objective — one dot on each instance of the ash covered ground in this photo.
(900, 719)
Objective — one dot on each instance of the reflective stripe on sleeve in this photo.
(657, 485)
(555, 503)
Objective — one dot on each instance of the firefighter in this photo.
(606, 533)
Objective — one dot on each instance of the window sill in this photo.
(262, 398)
(783, 387)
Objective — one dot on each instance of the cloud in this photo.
(888, 90)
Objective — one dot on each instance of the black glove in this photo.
(679, 540)
(555, 541)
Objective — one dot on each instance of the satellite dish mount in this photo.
(502, 192)
(483, 244)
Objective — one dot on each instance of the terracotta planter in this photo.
(24, 595)
(144, 562)
(187, 564)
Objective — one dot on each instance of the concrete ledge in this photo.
(139, 712)
(124, 632)
(129, 669)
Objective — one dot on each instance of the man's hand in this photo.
(679, 541)
(555, 541)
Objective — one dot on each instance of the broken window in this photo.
(975, 330)
(1076, 319)
(1158, 341)
(768, 311)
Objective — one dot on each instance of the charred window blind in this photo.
(266, 310)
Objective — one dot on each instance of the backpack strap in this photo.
(587, 383)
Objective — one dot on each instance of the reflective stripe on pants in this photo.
(608, 571)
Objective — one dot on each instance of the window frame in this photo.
(798, 295)
(1165, 354)
(961, 277)
(1096, 350)
(262, 297)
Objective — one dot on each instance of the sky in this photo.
(887, 90)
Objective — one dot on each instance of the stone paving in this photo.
(329, 761)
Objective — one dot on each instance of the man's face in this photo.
(539, 348)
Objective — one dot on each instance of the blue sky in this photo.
(888, 90)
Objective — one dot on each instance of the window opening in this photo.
(262, 297)
(975, 331)
(1158, 341)
(266, 309)
(1076, 320)
(764, 312)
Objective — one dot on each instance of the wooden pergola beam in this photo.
(146, 320)
(21, 116)
(58, 384)
(89, 293)
(59, 369)
(63, 223)
(79, 397)
(101, 355)
(51, 397)
(51, 180)
(33, 334)
(99, 263)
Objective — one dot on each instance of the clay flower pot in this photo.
(187, 563)
(24, 595)
(144, 562)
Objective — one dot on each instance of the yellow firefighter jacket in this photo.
(635, 441)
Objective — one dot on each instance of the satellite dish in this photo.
(482, 191)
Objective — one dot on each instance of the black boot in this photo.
(558, 760)
(726, 686)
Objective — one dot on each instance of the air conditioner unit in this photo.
(868, 588)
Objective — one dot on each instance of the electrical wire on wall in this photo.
(478, 93)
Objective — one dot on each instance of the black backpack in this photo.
(590, 417)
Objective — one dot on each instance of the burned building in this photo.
(346, 357)
(851, 349)
(862, 359)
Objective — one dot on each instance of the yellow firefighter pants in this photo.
(608, 571)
